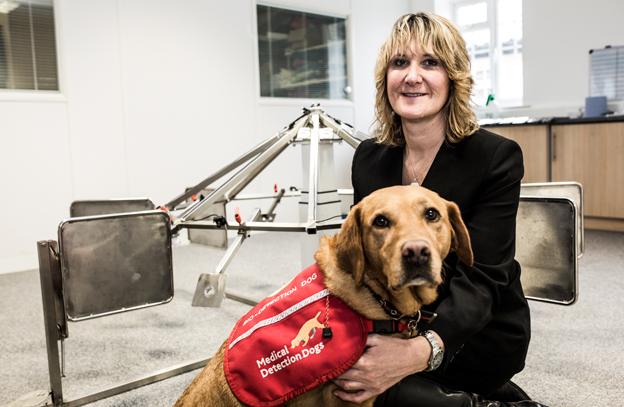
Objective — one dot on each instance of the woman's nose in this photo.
(413, 74)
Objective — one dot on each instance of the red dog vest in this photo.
(277, 351)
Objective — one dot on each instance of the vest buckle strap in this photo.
(385, 326)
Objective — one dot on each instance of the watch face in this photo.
(437, 354)
(437, 360)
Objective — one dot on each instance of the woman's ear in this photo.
(461, 238)
(348, 246)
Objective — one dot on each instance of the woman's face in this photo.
(417, 85)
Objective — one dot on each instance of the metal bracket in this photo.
(270, 215)
(210, 289)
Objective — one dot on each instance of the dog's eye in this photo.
(432, 214)
(381, 221)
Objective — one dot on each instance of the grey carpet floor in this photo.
(575, 357)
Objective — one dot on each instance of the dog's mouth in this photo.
(420, 280)
(414, 275)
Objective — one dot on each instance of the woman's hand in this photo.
(385, 362)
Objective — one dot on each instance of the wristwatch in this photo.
(437, 353)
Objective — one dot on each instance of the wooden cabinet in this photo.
(593, 154)
(533, 140)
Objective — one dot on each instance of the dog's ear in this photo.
(349, 246)
(461, 238)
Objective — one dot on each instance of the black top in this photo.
(483, 317)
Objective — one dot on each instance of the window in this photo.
(27, 45)
(301, 55)
(493, 33)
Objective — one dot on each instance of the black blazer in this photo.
(483, 317)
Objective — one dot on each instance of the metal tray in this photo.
(546, 248)
(115, 263)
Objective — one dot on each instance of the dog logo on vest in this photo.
(307, 331)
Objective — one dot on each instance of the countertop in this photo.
(524, 121)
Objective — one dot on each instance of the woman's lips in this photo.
(412, 94)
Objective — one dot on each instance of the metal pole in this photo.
(341, 131)
(270, 215)
(153, 378)
(249, 197)
(241, 299)
(229, 189)
(248, 226)
(313, 173)
(233, 249)
(49, 265)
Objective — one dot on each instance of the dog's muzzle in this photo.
(416, 259)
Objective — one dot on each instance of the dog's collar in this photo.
(391, 326)
(396, 315)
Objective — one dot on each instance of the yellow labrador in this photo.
(393, 243)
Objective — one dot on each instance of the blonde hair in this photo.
(439, 36)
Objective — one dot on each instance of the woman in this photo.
(427, 133)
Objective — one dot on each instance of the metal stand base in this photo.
(317, 131)
(210, 290)
(135, 384)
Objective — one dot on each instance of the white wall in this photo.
(558, 35)
(154, 97)
(421, 5)
(370, 30)
(91, 71)
(35, 177)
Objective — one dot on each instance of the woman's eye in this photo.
(381, 221)
(431, 62)
(399, 62)
(432, 214)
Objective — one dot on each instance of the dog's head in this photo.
(400, 236)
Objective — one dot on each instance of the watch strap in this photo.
(437, 353)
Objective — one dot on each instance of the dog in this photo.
(391, 246)
(307, 331)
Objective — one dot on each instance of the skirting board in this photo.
(610, 224)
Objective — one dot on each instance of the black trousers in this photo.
(424, 390)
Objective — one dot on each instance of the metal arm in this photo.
(236, 183)
(343, 133)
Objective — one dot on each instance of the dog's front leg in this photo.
(210, 387)
(324, 396)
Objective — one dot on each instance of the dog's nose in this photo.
(416, 252)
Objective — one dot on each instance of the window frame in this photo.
(298, 101)
(495, 51)
(41, 95)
